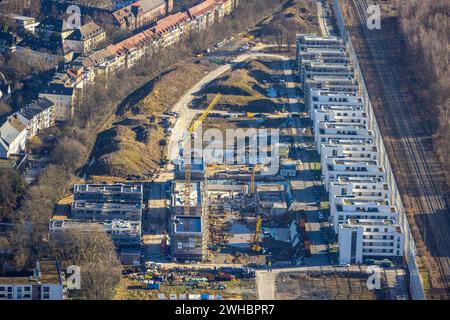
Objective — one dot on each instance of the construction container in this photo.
(307, 248)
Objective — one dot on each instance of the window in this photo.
(46, 296)
(47, 289)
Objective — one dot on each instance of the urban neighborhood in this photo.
(223, 150)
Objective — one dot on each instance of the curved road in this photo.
(187, 114)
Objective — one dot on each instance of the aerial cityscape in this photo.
(224, 150)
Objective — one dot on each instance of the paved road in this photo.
(187, 114)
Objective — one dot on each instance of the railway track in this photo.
(410, 151)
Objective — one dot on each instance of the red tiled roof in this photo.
(170, 22)
(136, 41)
(202, 8)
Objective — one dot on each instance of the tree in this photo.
(69, 152)
(95, 254)
(11, 188)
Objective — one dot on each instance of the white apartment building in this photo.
(355, 207)
(39, 116)
(347, 114)
(334, 84)
(319, 97)
(366, 239)
(305, 41)
(375, 189)
(349, 167)
(327, 131)
(319, 68)
(356, 149)
(45, 283)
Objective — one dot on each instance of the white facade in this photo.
(336, 114)
(362, 239)
(355, 207)
(63, 99)
(320, 97)
(364, 150)
(348, 167)
(327, 131)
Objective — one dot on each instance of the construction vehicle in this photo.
(255, 246)
(187, 164)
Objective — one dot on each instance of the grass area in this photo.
(130, 289)
(134, 145)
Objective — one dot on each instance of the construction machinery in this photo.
(187, 164)
(255, 245)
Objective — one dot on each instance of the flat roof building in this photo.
(361, 239)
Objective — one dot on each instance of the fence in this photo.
(416, 286)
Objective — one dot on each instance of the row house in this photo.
(319, 98)
(362, 239)
(203, 15)
(346, 85)
(360, 209)
(338, 130)
(374, 189)
(350, 167)
(52, 28)
(355, 207)
(170, 29)
(346, 114)
(37, 50)
(141, 13)
(135, 47)
(39, 115)
(356, 149)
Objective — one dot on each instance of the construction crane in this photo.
(255, 246)
(187, 164)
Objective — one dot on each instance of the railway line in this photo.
(409, 149)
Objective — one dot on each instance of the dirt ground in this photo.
(326, 286)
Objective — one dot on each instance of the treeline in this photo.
(426, 25)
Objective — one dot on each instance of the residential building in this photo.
(356, 207)
(63, 98)
(319, 98)
(349, 167)
(26, 23)
(141, 13)
(86, 39)
(347, 114)
(106, 202)
(374, 189)
(39, 115)
(361, 239)
(53, 29)
(13, 136)
(203, 15)
(48, 52)
(330, 84)
(170, 29)
(355, 149)
(134, 48)
(327, 131)
(122, 232)
(45, 283)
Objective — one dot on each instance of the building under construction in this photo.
(189, 222)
